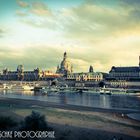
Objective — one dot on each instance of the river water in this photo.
(82, 99)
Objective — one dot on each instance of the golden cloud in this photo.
(22, 4)
(21, 13)
(40, 9)
(3, 31)
(106, 36)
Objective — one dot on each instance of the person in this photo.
(114, 138)
(122, 115)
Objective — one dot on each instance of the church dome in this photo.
(65, 66)
(65, 63)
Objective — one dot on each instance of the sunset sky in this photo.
(101, 33)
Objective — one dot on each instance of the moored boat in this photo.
(22, 87)
(105, 91)
(50, 90)
(68, 90)
(38, 88)
(5, 86)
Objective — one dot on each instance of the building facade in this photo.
(22, 75)
(124, 73)
(94, 76)
(86, 76)
(124, 76)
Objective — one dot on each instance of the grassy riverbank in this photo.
(69, 123)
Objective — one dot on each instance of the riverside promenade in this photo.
(93, 122)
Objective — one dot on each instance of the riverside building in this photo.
(89, 78)
(85, 76)
(85, 79)
(124, 76)
(22, 75)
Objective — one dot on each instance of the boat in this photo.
(108, 92)
(53, 89)
(68, 90)
(38, 88)
(5, 86)
(22, 87)
(50, 90)
(105, 91)
(93, 91)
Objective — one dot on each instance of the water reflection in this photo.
(83, 99)
(17, 92)
(104, 101)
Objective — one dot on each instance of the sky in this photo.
(101, 33)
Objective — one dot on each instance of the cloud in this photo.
(21, 13)
(47, 23)
(10, 57)
(79, 65)
(38, 14)
(22, 4)
(2, 32)
(133, 9)
(92, 33)
(39, 56)
(90, 21)
(40, 9)
(102, 55)
(34, 8)
(131, 2)
(45, 57)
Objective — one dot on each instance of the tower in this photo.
(65, 55)
(139, 61)
(57, 71)
(20, 71)
(91, 69)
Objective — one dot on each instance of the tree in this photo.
(7, 122)
(35, 122)
(101, 84)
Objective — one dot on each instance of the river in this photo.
(81, 99)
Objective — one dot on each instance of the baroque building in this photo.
(21, 75)
(65, 67)
(125, 73)
(124, 76)
(86, 76)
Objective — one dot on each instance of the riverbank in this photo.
(71, 122)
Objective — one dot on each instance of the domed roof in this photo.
(65, 65)
(65, 62)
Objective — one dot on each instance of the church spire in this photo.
(139, 61)
(91, 69)
(65, 55)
